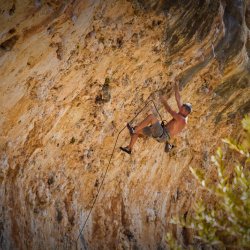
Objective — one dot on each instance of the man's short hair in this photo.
(188, 107)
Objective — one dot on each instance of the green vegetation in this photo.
(226, 225)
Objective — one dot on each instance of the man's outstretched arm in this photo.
(177, 95)
(168, 108)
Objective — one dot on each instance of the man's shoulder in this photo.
(181, 118)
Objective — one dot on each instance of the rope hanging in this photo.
(110, 159)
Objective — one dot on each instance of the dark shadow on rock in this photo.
(194, 20)
(105, 94)
(230, 86)
(12, 9)
(233, 41)
(229, 46)
(233, 86)
(9, 44)
(190, 73)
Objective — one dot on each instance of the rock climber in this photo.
(161, 132)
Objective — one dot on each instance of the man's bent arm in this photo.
(177, 95)
(169, 110)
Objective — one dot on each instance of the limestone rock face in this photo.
(73, 73)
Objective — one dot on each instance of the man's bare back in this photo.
(174, 126)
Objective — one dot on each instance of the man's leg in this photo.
(150, 119)
(133, 140)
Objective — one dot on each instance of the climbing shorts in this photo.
(157, 131)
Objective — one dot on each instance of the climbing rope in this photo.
(106, 170)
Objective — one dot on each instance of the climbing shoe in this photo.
(126, 150)
(131, 129)
(168, 147)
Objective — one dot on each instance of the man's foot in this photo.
(126, 150)
(168, 147)
(130, 129)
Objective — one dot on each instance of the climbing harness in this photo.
(106, 170)
(164, 129)
(163, 123)
(164, 132)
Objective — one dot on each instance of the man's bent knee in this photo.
(153, 118)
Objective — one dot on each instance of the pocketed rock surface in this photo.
(73, 73)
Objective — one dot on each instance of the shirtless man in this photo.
(152, 127)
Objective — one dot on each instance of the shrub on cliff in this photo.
(227, 224)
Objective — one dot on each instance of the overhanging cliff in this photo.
(72, 74)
